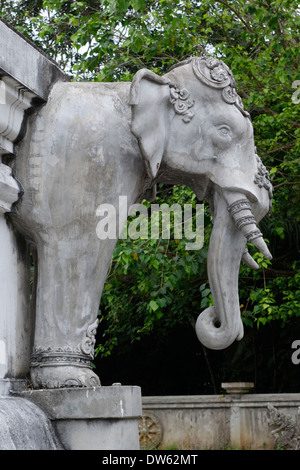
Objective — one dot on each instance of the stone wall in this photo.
(212, 421)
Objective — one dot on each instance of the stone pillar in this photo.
(26, 78)
(9, 191)
(15, 324)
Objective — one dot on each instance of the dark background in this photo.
(177, 363)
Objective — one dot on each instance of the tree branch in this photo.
(237, 14)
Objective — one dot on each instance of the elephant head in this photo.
(192, 129)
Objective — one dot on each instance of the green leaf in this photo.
(205, 292)
(153, 305)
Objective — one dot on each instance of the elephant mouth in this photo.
(234, 225)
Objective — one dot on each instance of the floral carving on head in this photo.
(182, 103)
(212, 71)
(215, 74)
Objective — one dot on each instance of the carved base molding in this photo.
(79, 356)
(54, 371)
(66, 366)
(59, 358)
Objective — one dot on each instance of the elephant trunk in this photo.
(220, 325)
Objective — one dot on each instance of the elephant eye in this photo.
(225, 130)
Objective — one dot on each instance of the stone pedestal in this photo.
(237, 387)
(99, 418)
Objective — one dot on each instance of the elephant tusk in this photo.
(257, 239)
(244, 220)
(248, 260)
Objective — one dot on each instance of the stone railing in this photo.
(233, 421)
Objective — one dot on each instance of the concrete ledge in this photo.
(203, 401)
(99, 418)
(114, 402)
(21, 60)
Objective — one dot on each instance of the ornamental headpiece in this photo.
(215, 74)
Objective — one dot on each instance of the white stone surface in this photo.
(219, 421)
(24, 426)
(237, 387)
(99, 418)
(22, 61)
(8, 296)
(3, 360)
(26, 78)
(9, 189)
(16, 322)
(15, 99)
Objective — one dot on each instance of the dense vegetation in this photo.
(155, 289)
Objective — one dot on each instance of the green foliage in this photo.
(277, 299)
(148, 282)
(156, 284)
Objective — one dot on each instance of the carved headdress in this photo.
(215, 74)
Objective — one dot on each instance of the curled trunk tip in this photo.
(215, 334)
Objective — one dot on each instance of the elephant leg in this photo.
(71, 274)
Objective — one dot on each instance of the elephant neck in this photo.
(200, 184)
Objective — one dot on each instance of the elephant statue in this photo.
(93, 142)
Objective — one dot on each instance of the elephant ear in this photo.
(150, 100)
